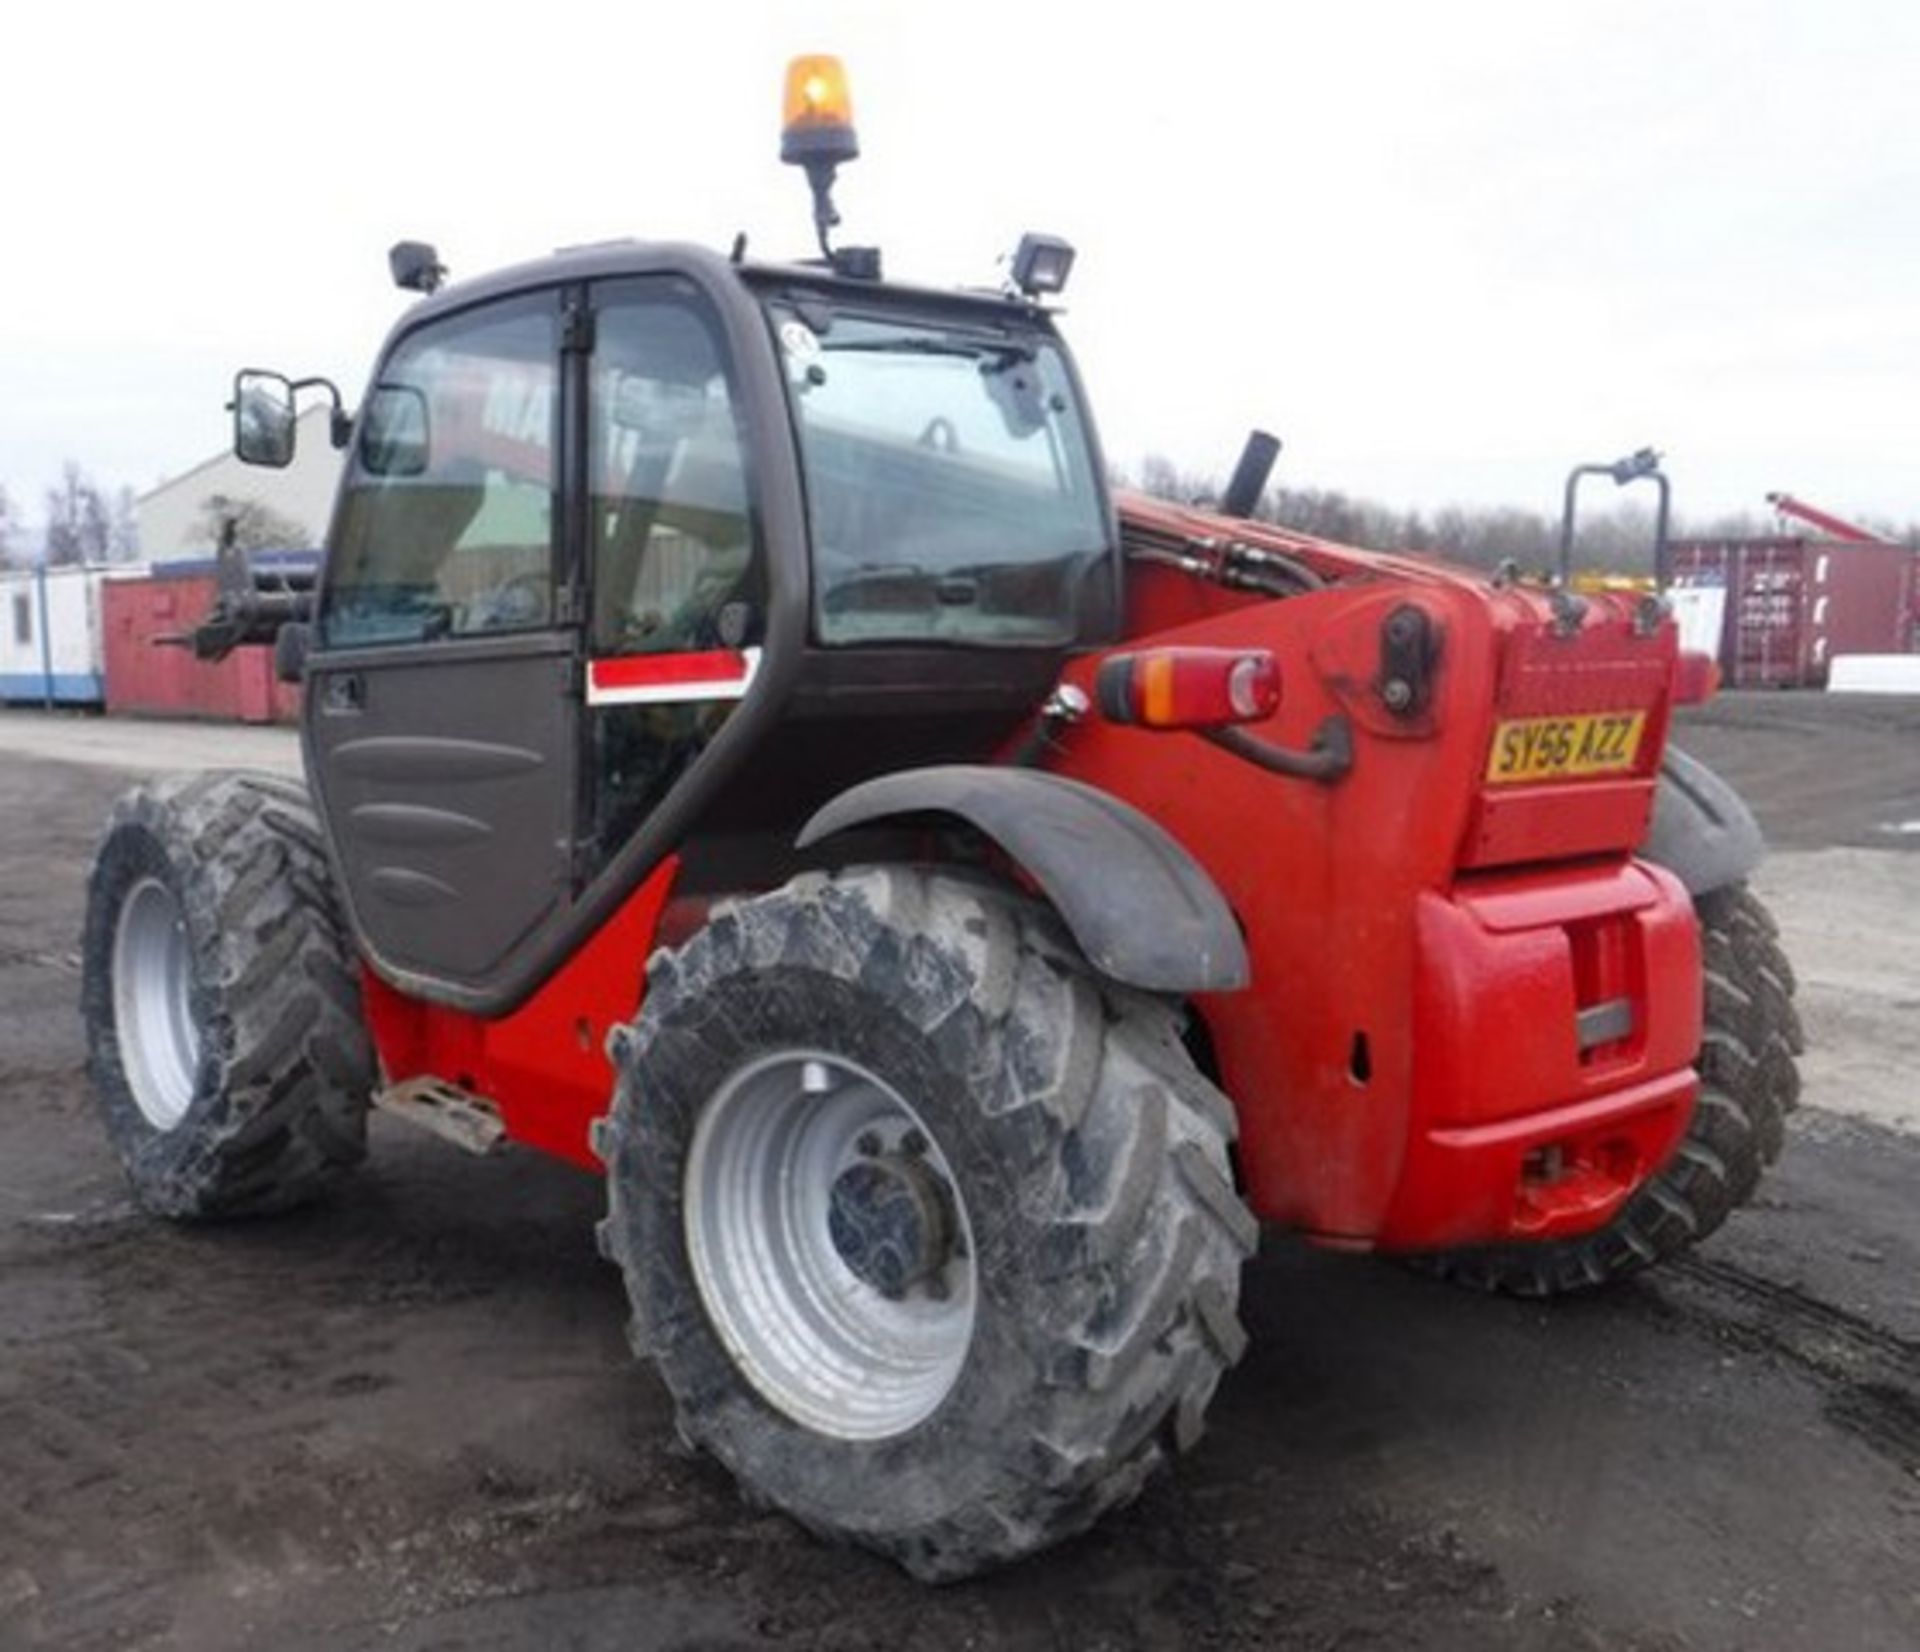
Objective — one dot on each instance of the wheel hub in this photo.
(830, 1244)
(890, 1220)
(159, 1040)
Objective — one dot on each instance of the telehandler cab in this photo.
(750, 755)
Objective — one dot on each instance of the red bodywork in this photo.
(1405, 1064)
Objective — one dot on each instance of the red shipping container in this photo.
(1793, 604)
(149, 678)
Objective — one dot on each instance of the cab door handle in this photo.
(343, 693)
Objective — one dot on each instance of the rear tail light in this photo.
(1189, 687)
(1696, 679)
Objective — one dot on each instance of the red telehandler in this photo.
(751, 755)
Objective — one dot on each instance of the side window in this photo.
(22, 618)
(676, 565)
(673, 540)
(447, 526)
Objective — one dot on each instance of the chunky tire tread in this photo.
(1095, 1168)
(1749, 1082)
(279, 1109)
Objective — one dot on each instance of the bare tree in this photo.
(1162, 478)
(11, 532)
(125, 545)
(79, 525)
(1613, 540)
(257, 526)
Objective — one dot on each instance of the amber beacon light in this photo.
(816, 133)
(817, 126)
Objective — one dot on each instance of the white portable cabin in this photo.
(50, 635)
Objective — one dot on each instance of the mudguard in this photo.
(1141, 909)
(1702, 831)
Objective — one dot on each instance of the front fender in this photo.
(1142, 910)
(1702, 831)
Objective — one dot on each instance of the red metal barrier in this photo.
(147, 677)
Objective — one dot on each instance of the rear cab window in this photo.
(952, 490)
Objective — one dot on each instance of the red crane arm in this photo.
(1787, 505)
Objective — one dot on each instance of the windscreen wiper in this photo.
(1004, 353)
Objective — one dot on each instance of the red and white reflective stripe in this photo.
(660, 679)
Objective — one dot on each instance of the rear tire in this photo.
(222, 1012)
(1749, 1082)
(1071, 1241)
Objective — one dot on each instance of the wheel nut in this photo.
(914, 1142)
(868, 1146)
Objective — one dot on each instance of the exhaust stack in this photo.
(1242, 497)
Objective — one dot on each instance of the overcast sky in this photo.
(1445, 250)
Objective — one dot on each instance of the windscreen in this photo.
(951, 489)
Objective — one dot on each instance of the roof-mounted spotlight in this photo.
(416, 267)
(1635, 465)
(1041, 264)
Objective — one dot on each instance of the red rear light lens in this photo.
(1188, 687)
(1696, 679)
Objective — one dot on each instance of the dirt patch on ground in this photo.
(1821, 770)
(410, 1419)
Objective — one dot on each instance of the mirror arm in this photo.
(340, 429)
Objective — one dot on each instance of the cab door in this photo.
(677, 564)
(442, 714)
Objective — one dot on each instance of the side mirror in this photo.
(290, 645)
(263, 419)
(394, 435)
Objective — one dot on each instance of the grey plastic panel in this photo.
(428, 757)
(1141, 909)
(415, 823)
(1702, 830)
(448, 775)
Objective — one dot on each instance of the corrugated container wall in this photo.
(1793, 604)
(147, 676)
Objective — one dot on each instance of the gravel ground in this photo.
(410, 1420)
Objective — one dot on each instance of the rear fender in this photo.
(1141, 909)
(1702, 831)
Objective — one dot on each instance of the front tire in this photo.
(1749, 1082)
(929, 1232)
(222, 1014)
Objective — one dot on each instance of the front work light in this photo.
(817, 126)
(1041, 264)
(1188, 687)
(416, 267)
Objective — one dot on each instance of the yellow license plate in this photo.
(1564, 748)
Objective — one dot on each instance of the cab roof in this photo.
(610, 260)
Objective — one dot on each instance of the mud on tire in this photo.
(1087, 1155)
(1749, 1082)
(224, 1038)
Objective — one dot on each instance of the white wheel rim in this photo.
(153, 1003)
(772, 1152)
